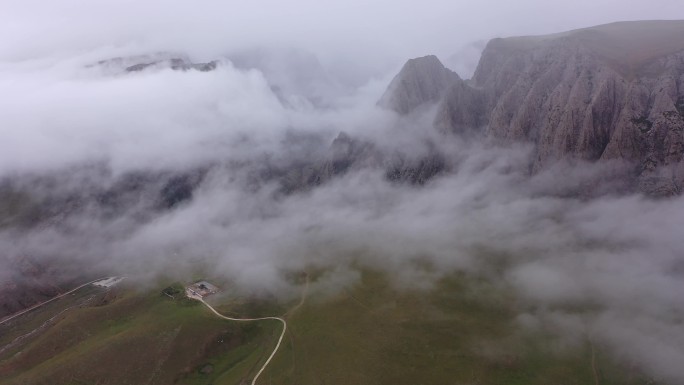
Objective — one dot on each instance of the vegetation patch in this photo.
(173, 291)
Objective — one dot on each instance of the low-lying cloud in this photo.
(85, 125)
(619, 257)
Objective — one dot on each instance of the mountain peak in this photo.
(421, 81)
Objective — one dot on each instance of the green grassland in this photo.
(460, 332)
(38, 320)
(134, 339)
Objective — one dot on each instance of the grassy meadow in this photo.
(460, 332)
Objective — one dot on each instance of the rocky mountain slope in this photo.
(613, 92)
(421, 81)
(610, 92)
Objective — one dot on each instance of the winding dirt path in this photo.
(280, 339)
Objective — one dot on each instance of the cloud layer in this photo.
(316, 70)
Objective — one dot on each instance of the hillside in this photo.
(462, 331)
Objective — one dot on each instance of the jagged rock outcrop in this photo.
(343, 155)
(346, 154)
(176, 62)
(609, 92)
(417, 171)
(421, 81)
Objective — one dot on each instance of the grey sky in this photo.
(382, 31)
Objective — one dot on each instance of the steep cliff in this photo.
(609, 92)
(421, 81)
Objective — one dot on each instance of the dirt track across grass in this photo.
(280, 339)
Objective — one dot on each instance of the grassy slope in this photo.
(34, 319)
(137, 339)
(460, 333)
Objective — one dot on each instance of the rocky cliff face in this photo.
(348, 154)
(608, 92)
(421, 81)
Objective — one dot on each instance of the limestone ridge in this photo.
(421, 81)
(614, 91)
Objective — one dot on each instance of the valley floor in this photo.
(460, 332)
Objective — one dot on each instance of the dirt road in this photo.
(15, 315)
(280, 339)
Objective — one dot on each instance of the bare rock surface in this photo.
(609, 92)
(421, 81)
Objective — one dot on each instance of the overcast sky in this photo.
(377, 32)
